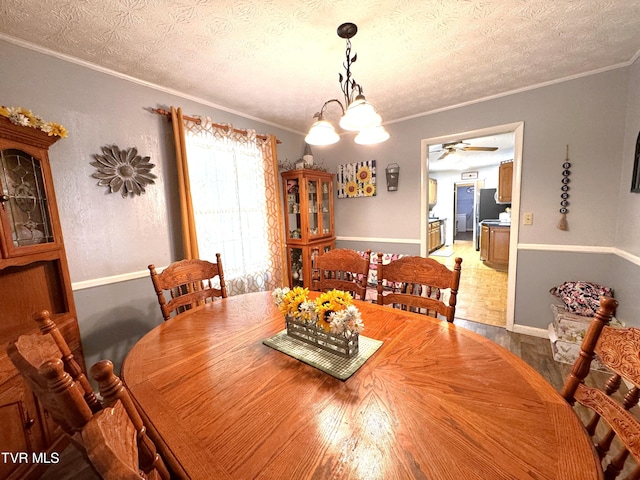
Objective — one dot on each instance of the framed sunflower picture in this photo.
(357, 179)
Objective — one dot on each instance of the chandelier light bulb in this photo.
(360, 114)
(322, 133)
(372, 135)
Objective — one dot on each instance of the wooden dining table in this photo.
(435, 401)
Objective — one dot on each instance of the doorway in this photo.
(464, 211)
(452, 144)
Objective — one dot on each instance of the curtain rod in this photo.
(166, 113)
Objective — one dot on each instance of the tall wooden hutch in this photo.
(33, 276)
(308, 203)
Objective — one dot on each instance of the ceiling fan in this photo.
(456, 146)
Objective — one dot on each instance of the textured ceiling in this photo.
(278, 60)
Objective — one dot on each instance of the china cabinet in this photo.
(308, 204)
(34, 276)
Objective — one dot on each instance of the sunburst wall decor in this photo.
(357, 179)
(123, 171)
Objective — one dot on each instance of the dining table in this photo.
(434, 401)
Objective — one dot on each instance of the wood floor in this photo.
(533, 350)
(482, 296)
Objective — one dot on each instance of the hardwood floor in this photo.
(482, 296)
(533, 350)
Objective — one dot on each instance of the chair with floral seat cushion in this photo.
(187, 283)
(610, 401)
(420, 285)
(343, 269)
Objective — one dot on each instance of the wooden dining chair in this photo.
(419, 284)
(187, 283)
(617, 349)
(343, 269)
(113, 439)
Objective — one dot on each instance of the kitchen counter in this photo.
(495, 223)
(433, 219)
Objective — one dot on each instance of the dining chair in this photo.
(343, 269)
(420, 285)
(617, 349)
(113, 438)
(187, 283)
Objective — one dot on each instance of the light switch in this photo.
(527, 219)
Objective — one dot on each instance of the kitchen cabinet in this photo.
(34, 276)
(435, 235)
(433, 192)
(494, 245)
(308, 203)
(505, 181)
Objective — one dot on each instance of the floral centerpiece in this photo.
(22, 116)
(331, 321)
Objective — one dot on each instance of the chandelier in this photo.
(359, 115)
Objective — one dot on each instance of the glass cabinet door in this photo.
(23, 201)
(296, 267)
(325, 206)
(294, 226)
(314, 222)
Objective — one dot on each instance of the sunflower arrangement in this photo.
(332, 311)
(22, 116)
(295, 303)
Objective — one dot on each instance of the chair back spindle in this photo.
(48, 327)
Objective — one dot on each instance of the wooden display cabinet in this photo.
(34, 276)
(308, 204)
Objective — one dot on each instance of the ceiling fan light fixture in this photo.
(322, 133)
(372, 135)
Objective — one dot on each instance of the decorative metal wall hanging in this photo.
(564, 195)
(393, 176)
(357, 179)
(123, 171)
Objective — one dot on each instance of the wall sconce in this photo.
(393, 173)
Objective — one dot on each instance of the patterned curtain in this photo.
(230, 198)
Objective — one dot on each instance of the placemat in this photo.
(334, 365)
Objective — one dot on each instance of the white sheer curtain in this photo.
(231, 190)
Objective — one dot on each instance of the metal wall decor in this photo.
(564, 195)
(123, 171)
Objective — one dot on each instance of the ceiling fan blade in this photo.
(480, 149)
(447, 152)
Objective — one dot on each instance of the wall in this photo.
(111, 240)
(589, 115)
